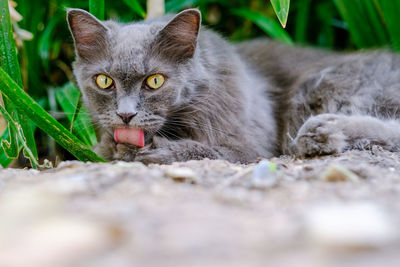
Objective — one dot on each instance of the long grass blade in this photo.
(46, 43)
(391, 11)
(68, 97)
(364, 23)
(9, 62)
(301, 23)
(267, 24)
(136, 7)
(24, 103)
(281, 8)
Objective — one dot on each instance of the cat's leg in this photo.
(334, 133)
(106, 147)
(164, 151)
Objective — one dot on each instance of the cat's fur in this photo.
(330, 102)
(231, 102)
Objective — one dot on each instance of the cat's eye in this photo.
(103, 81)
(155, 81)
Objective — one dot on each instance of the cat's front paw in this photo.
(321, 135)
(154, 155)
(125, 152)
(161, 152)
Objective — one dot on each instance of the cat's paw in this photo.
(161, 151)
(321, 135)
(125, 152)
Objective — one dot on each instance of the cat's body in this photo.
(229, 102)
(329, 102)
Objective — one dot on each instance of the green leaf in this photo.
(9, 59)
(5, 159)
(391, 11)
(267, 24)
(68, 97)
(301, 22)
(9, 62)
(177, 5)
(9, 152)
(24, 103)
(136, 7)
(365, 24)
(34, 19)
(281, 8)
(96, 8)
(20, 137)
(46, 42)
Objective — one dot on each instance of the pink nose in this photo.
(126, 117)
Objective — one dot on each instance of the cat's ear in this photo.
(179, 37)
(90, 34)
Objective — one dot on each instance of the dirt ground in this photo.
(328, 211)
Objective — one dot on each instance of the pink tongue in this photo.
(129, 135)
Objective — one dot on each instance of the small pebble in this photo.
(337, 173)
(264, 174)
(181, 175)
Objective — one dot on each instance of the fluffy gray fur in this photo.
(229, 102)
(330, 102)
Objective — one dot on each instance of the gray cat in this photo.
(210, 99)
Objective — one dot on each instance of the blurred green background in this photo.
(331, 24)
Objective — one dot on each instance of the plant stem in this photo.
(155, 8)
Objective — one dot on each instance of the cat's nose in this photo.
(126, 117)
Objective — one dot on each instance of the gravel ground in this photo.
(328, 211)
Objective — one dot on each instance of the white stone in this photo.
(262, 175)
(181, 174)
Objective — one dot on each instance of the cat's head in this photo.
(132, 74)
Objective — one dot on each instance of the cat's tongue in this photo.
(129, 135)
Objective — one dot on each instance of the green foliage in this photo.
(177, 5)
(25, 104)
(45, 44)
(5, 156)
(9, 63)
(267, 24)
(372, 23)
(20, 139)
(69, 98)
(281, 8)
(390, 10)
(365, 25)
(136, 7)
(96, 7)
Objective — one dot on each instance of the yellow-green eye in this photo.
(155, 81)
(103, 81)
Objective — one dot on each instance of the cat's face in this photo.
(132, 75)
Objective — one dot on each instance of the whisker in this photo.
(198, 126)
(163, 132)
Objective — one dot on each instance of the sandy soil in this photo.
(329, 211)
